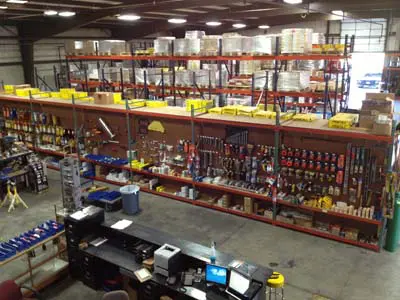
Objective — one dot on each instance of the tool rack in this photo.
(190, 125)
(332, 101)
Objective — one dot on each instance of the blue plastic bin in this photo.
(130, 199)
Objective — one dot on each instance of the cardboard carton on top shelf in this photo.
(20, 86)
(103, 98)
(380, 96)
(382, 128)
(366, 121)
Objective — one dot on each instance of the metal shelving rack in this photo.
(194, 119)
(389, 71)
(339, 98)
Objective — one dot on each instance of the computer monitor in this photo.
(238, 282)
(216, 274)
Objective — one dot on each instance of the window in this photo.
(370, 34)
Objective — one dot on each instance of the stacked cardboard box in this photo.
(248, 205)
(377, 112)
(103, 98)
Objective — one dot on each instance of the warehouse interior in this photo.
(200, 150)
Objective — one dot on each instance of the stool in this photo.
(274, 282)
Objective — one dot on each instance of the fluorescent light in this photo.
(66, 14)
(3, 7)
(50, 12)
(17, 1)
(263, 26)
(293, 1)
(177, 21)
(239, 25)
(128, 17)
(338, 12)
(213, 23)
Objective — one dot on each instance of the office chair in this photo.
(9, 290)
(116, 295)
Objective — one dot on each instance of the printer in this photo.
(166, 260)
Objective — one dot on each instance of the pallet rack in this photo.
(333, 101)
(389, 71)
(193, 119)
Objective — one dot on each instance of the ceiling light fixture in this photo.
(213, 23)
(66, 14)
(263, 26)
(3, 7)
(128, 17)
(50, 12)
(338, 12)
(293, 1)
(177, 21)
(239, 25)
(17, 1)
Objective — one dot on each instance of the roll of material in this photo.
(194, 34)
(112, 47)
(318, 38)
(307, 65)
(206, 77)
(247, 45)
(261, 44)
(295, 81)
(184, 78)
(232, 45)
(180, 46)
(260, 78)
(209, 44)
(296, 40)
(193, 46)
(248, 67)
(163, 45)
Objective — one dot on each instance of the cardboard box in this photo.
(367, 121)
(103, 98)
(376, 107)
(382, 129)
(20, 86)
(380, 96)
(248, 205)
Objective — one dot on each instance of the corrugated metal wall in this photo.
(10, 54)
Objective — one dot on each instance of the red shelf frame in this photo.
(215, 58)
(329, 212)
(283, 128)
(327, 235)
(233, 211)
(246, 215)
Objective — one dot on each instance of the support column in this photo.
(26, 49)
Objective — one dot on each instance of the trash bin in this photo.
(130, 199)
(393, 233)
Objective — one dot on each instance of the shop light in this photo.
(17, 1)
(50, 12)
(338, 12)
(177, 21)
(66, 14)
(263, 26)
(239, 25)
(293, 1)
(128, 17)
(3, 7)
(213, 23)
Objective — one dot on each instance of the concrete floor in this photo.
(312, 266)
